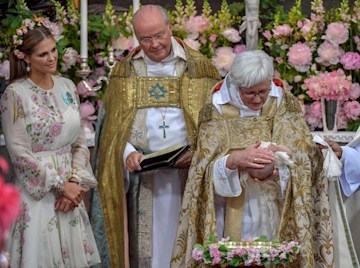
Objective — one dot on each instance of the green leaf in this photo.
(262, 238)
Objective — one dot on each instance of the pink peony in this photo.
(329, 54)
(69, 59)
(123, 43)
(84, 90)
(56, 29)
(313, 115)
(223, 59)
(341, 119)
(352, 109)
(88, 117)
(232, 35)
(196, 24)
(355, 91)
(194, 44)
(336, 33)
(300, 57)
(307, 27)
(267, 34)
(350, 60)
(331, 86)
(5, 69)
(282, 30)
(213, 37)
(239, 49)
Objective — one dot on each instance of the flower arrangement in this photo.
(213, 34)
(258, 252)
(319, 58)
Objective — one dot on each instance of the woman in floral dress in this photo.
(47, 147)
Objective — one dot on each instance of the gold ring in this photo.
(255, 160)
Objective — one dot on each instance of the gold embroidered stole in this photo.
(260, 129)
(158, 92)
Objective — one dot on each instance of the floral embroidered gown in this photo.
(45, 141)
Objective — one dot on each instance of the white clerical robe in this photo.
(344, 200)
(167, 188)
(350, 182)
(261, 213)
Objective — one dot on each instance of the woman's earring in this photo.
(28, 67)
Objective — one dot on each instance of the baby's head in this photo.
(261, 173)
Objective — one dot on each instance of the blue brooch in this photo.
(69, 98)
(157, 91)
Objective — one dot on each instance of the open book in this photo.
(164, 158)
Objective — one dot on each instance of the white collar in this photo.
(228, 93)
(177, 51)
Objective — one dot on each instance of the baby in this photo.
(282, 155)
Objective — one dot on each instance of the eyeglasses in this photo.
(262, 93)
(148, 40)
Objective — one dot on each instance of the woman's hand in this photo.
(251, 157)
(64, 204)
(73, 192)
(133, 161)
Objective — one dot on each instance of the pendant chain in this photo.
(164, 126)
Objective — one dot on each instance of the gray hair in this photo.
(151, 8)
(250, 68)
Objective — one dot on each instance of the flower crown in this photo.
(26, 26)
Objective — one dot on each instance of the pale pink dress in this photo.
(45, 139)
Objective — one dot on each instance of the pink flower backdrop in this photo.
(318, 57)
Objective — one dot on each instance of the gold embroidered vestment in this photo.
(125, 94)
(305, 215)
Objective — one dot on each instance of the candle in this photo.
(83, 30)
(136, 4)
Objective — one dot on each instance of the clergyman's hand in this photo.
(133, 161)
(184, 160)
(336, 148)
